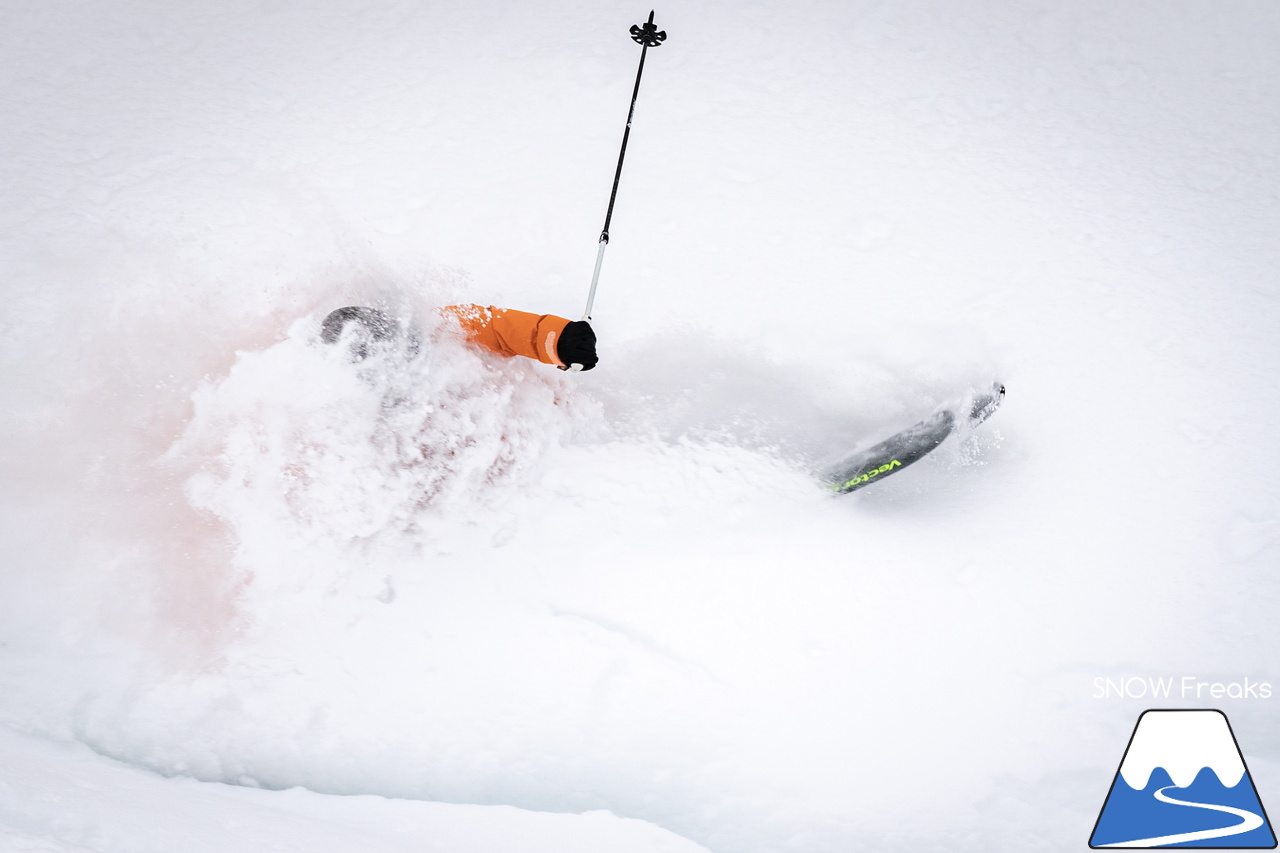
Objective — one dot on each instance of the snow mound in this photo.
(72, 800)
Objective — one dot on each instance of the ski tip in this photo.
(985, 403)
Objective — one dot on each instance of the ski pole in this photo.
(646, 36)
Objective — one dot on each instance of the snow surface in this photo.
(242, 566)
(66, 798)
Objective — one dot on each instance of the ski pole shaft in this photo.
(595, 279)
(646, 36)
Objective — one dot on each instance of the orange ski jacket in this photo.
(510, 333)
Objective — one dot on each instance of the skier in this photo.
(567, 344)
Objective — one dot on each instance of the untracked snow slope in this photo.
(241, 564)
(63, 799)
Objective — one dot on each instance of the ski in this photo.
(912, 444)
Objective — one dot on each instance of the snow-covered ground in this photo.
(255, 597)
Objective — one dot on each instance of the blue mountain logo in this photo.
(1182, 783)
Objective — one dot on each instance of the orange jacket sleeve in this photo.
(509, 333)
